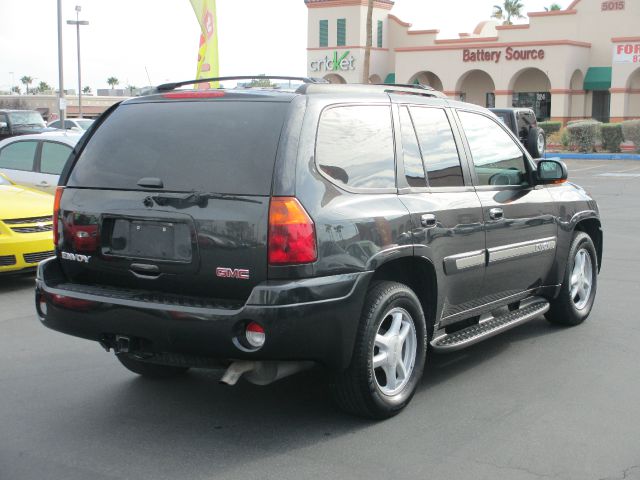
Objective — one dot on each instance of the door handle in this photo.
(496, 214)
(428, 220)
(44, 183)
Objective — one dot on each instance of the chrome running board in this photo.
(488, 327)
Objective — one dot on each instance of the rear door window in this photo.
(206, 146)
(438, 146)
(53, 157)
(355, 146)
(19, 155)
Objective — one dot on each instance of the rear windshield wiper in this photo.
(201, 199)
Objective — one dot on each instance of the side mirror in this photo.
(551, 171)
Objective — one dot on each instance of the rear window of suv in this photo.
(221, 147)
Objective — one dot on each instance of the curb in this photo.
(593, 156)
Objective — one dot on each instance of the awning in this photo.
(598, 78)
(390, 79)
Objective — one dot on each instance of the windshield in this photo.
(84, 124)
(222, 147)
(26, 118)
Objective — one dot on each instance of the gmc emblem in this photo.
(238, 273)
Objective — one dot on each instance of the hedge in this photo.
(550, 127)
(611, 136)
(631, 132)
(584, 134)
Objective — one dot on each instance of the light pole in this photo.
(62, 104)
(11, 92)
(77, 22)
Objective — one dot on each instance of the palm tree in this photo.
(510, 9)
(86, 90)
(553, 7)
(26, 80)
(113, 81)
(367, 49)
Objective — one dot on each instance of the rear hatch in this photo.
(173, 196)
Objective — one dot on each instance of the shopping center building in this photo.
(580, 62)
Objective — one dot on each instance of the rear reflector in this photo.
(56, 211)
(255, 335)
(195, 94)
(292, 236)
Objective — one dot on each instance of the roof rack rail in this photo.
(409, 85)
(165, 87)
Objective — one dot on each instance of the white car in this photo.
(37, 160)
(76, 124)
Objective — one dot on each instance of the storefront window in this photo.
(540, 102)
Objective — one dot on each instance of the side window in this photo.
(413, 167)
(5, 120)
(69, 125)
(55, 124)
(496, 156)
(53, 157)
(438, 146)
(18, 155)
(355, 146)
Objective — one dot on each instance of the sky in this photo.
(128, 38)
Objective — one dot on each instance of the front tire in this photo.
(578, 292)
(389, 354)
(149, 370)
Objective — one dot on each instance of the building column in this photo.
(560, 105)
(504, 98)
(619, 105)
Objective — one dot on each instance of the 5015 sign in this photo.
(611, 5)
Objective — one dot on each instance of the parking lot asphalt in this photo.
(538, 401)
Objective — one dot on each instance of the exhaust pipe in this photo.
(262, 373)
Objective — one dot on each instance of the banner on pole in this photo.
(205, 11)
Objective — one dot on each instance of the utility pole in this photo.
(77, 22)
(62, 103)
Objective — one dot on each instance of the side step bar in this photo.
(491, 326)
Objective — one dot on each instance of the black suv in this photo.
(21, 122)
(523, 122)
(354, 227)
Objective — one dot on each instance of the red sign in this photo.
(612, 5)
(482, 55)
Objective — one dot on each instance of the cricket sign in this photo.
(340, 62)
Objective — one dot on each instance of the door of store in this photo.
(601, 105)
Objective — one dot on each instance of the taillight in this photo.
(292, 235)
(194, 94)
(56, 211)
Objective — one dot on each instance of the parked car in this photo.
(21, 122)
(36, 160)
(25, 227)
(76, 124)
(523, 122)
(362, 225)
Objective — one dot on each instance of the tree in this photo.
(367, 49)
(510, 9)
(43, 87)
(553, 7)
(131, 89)
(26, 81)
(261, 83)
(16, 89)
(113, 81)
(86, 90)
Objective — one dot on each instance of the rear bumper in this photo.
(313, 319)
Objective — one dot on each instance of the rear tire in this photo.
(389, 354)
(536, 142)
(578, 292)
(149, 370)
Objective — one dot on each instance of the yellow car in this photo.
(26, 235)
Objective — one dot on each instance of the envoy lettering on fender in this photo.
(76, 257)
(482, 55)
(238, 273)
(337, 63)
